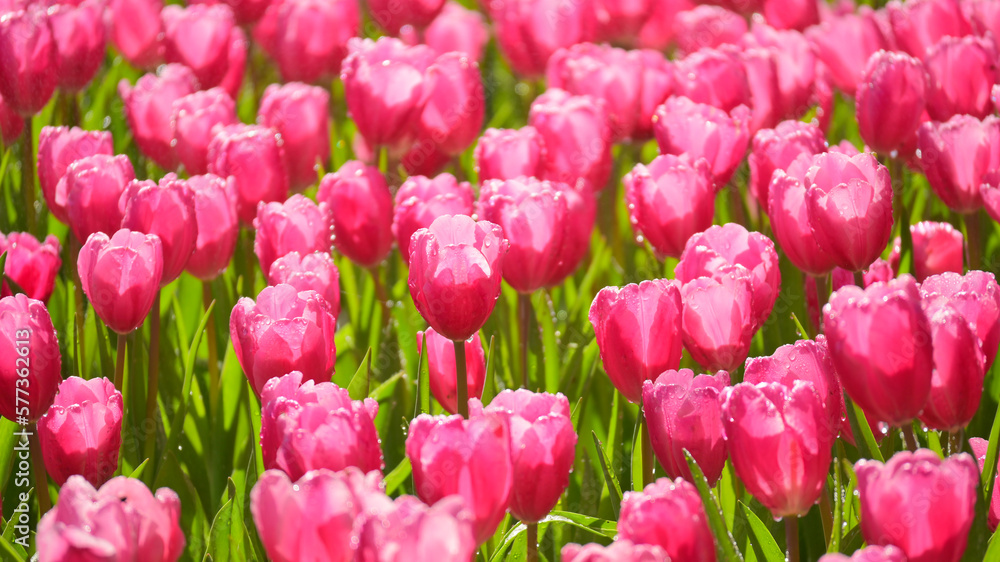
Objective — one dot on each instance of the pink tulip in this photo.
(657, 84)
(31, 346)
(527, 35)
(136, 30)
(193, 118)
(82, 431)
(776, 149)
(361, 212)
(708, 27)
(638, 330)
(218, 229)
(799, 14)
(983, 15)
(684, 413)
(543, 443)
(408, 529)
(232, 80)
(297, 225)
(167, 210)
(957, 156)
(581, 207)
(122, 518)
(308, 39)
(58, 147)
(199, 37)
(790, 220)
(668, 514)
(392, 16)
(714, 77)
(316, 517)
(457, 28)
(149, 108)
(879, 340)
(890, 99)
(957, 379)
(962, 73)
(937, 248)
(762, 77)
(577, 139)
(979, 448)
(845, 43)
(975, 296)
(11, 123)
(120, 276)
(94, 184)
(310, 272)
(919, 24)
(794, 66)
(658, 31)
(420, 200)
(868, 554)
(471, 458)
(79, 35)
(441, 368)
(453, 103)
(945, 489)
(702, 131)
(620, 22)
(29, 60)
(618, 550)
(246, 11)
(455, 267)
(506, 154)
(33, 265)
(780, 440)
(300, 114)
(255, 157)
(718, 319)
(283, 331)
(720, 248)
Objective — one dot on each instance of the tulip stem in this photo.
(461, 379)
(955, 439)
(973, 244)
(531, 540)
(524, 322)
(250, 263)
(792, 538)
(911, 439)
(154, 376)
(28, 174)
(120, 363)
(826, 513)
(213, 350)
(648, 462)
(41, 477)
(81, 356)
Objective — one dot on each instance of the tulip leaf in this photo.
(838, 512)
(384, 391)
(220, 538)
(545, 316)
(636, 461)
(423, 384)
(600, 527)
(768, 546)
(514, 539)
(613, 426)
(859, 426)
(803, 333)
(138, 470)
(724, 542)
(489, 386)
(993, 552)
(852, 541)
(3, 262)
(395, 479)
(358, 389)
(990, 466)
(9, 551)
(614, 488)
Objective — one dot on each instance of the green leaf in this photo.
(358, 389)
(768, 546)
(859, 426)
(724, 542)
(395, 479)
(220, 537)
(138, 470)
(600, 527)
(838, 510)
(614, 488)
(423, 382)
(489, 386)
(803, 333)
(9, 551)
(989, 469)
(550, 347)
(636, 461)
(993, 552)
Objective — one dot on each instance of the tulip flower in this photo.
(82, 431)
(94, 185)
(657, 83)
(975, 296)
(714, 77)
(787, 208)
(708, 27)
(799, 14)
(471, 458)
(308, 39)
(255, 157)
(33, 265)
(684, 413)
(957, 379)
(845, 43)
(620, 22)
(670, 200)
(215, 216)
(232, 80)
(577, 139)
(300, 113)
(313, 518)
(392, 16)
(794, 66)
(310, 272)
(979, 448)
(957, 157)
(457, 28)
(407, 529)
(360, 210)
(11, 123)
(121, 276)
(527, 40)
(283, 331)
(618, 550)
(937, 248)
(307, 426)
(505, 154)
(121, 517)
(80, 38)
(890, 100)
(149, 108)
(945, 488)
(453, 104)
(455, 267)
(136, 31)
(58, 147)
(638, 330)
(879, 339)
(702, 131)
(420, 200)
(668, 514)
(193, 117)
(776, 149)
(29, 60)
(297, 225)
(762, 79)
(246, 11)
(167, 210)
(199, 37)
(918, 25)
(718, 319)
(868, 554)
(31, 346)
(962, 73)
(542, 446)
(441, 368)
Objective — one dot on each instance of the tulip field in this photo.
(508, 280)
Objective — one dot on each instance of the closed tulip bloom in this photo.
(314, 517)
(975, 296)
(300, 113)
(845, 43)
(360, 207)
(33, 265)
(669, 514)
(714, 77)
(638, 330)
(658, 31)
(890, 100)
(937, 248)
(657, 84)
(246, 11)
(308, 39)
(455, 268)
(790, 220)
(420, 200)
(82, 431)
(702, 131)
(441, 367)
(11, 123)
(957, 157)
(255, 157)
(979, 448)
(542, 445)
(94, 185)
(868, 554)
(918, 25)
(799, 14)
(962, 73)
(457, 28)
(193, 117)
(582, 209)
(471, 458)
(879, 340)
(167, 210)
(122, 517)
(120, 276)
(309, 272)
(29, 60)
(794, 66)
(670, 200)
(409, 529)
(527, 36)
(762, 77)
(198, 37)
(453, 104)
(79, 34)
(577, 139)
(31, 346)
(232, 80)
(945, 489)
(215, 215)
(708, 26)
(776, 149)
(58, 147)
(149, 108)
(957, 379)
(297, 225)
(618, 550)
(392, 16)
(718, 319)
(620, 22)
(284, 330)
(684, 413)
(136, 30)
(505, 154)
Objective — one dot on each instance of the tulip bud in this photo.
(890, 100)
(120, 276)
(79, 35)
(215, 216)
(255, 157)
(453, 103)
(361, 212)
(311, 272)
(708, 26)
(794, 65)
(167, 210)
(246, 11)
(684, 127)
(407, 528)
(441, 367)
(762, 78)
(620, 22)
(192, 119)
(577, 139)
(299, 113)
(957, 379)
(149, 108)
(297, 225)
(420, 200)
(868, 554)
(945, 488)
(33, 265)
(528, 41)
(31, 348)
(790, 220)
(308, 39)
(918, 25)
(11, 123)
(845, 43)
(198, 37)
(94, 185)
(618, 550)
(718, 319)
(976, 297)
(232, 80)
(58, 147)
(29, 60)
(638, 332)
(668, 514)
(979, 448)
(962, 73)
(957, 157)
(82, 431)
(714, 77)
(937, 248)
(776, 149)
(505, 154)
(136, 30)
(392, 16)
(457, 28)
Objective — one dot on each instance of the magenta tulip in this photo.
(459, 29)
(937, 248)
(392, 16)
(246, 11)
(120, 276)
(199, 37)
(255, 157)
(453, 104)
(868, 554)
(794, 66)
(798, 14)
(360, 210)
(167, 210)
(620, 22)
(718, 319)
(714, 77)
(957, 156)
(420, 200)
(527, 36)
(310, 272)
(407, 529)
(776, 149)
(33, 265)
(890, 100)
(979, 448)
(11, 123)
(94, 185)
(192, 120)
(577, 137)
(762, 78)
(708, 27)
(918, 25)
(31, 346)
(136, 30)
(297, 225)
(29, 60)
(957, 379)
(975, 296)
(80, 38)
(790, 220)
(58, 147)
(845, 43)
(308, 39)
(300, 114)
(657, 84)
(668, 514)
(149, 108)
(962, 73)
(441, 365)
(218, 229)
(702, 131)
(505, 154)
(618, 550)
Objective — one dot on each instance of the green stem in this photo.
(524, 323)
(955, 439)
(120, 363)
(973, 240)
(28, 174)
(792, 538)
(154, 376)
(826, 513)
(213, 350)
(250, 263)
(911, 439)
(81, 360)
(461, 379)
(41, 478)
(531, 554)
(648, 462)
